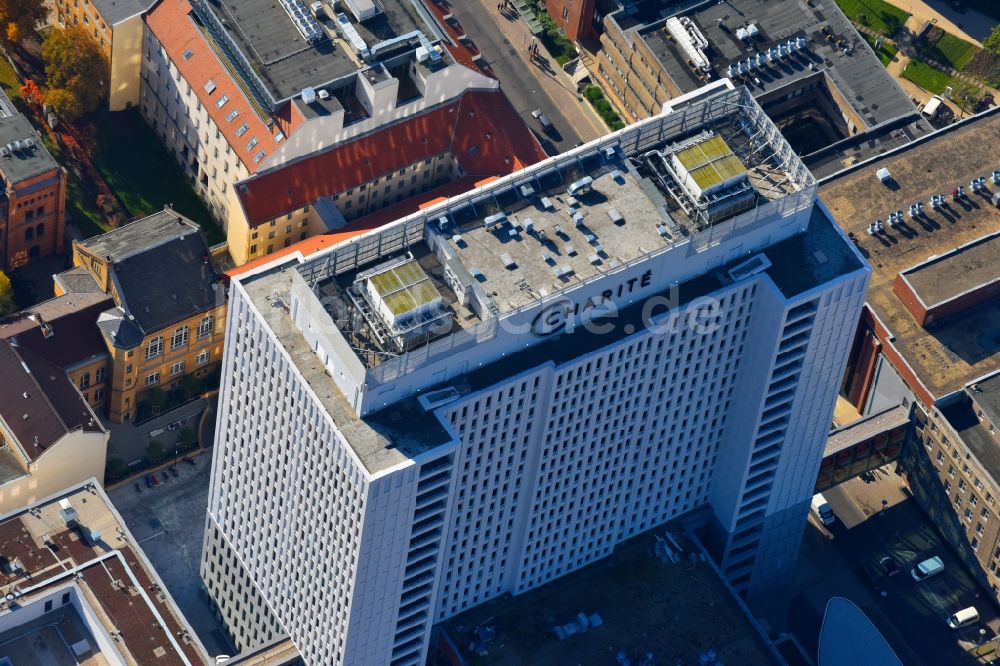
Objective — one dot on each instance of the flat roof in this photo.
(139, 235)
(983, 444)
(858, 431)
(25, 163)
(285, 62)
(986, 393)
(76, 541)
(859, 75)
(956, 272)
(381, 440)
(646, 604)
(487, 261)
(965, 346)
(618, 221)
(115, 11)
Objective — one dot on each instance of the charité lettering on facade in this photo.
(558, 315)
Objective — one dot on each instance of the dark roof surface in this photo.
(987, 395)
(38, 403)
(140, 235)
(22, 164)
(127, 598)
(71, 322)
(114, 11)
(981, 442)
(185, 282)
(77, 281)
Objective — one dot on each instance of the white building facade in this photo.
(356, 502)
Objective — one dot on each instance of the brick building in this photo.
(928, 334)
(574, 17)
(33, 199)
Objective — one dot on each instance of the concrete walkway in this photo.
(543, 71)
(923, 12)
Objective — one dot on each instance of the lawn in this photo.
(876, 15)
(927, 77)
(885, 53)
(8, 80)
(951, 50)
(142, 173)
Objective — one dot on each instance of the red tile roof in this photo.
(481, 129)
(171, 22)
(364, 224)
(463, 51)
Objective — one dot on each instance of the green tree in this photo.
(63, 103)
(188, 438)
(155, 451)
(74, 65)
(156, 397)
(115, 468)
(7, 303)
(992, 43)
(965, 95)
(20, 18)
(190, 386)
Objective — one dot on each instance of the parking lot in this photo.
(168, 521)
(911, 615)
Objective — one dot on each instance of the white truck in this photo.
(823, 510)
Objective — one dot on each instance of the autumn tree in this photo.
(76, 70)
(7, 304)
(31, 92)
(20, 18)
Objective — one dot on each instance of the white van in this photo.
(964, 618)
(932, 106)
(929, 567)
(822, 509)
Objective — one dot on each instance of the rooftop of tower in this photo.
(467, 272)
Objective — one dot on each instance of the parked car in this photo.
(932, 566)
(149, 480)
(138, 488)
(173, 471)
(156, 480)
(889, 565)
(964, 618)
(542, 119)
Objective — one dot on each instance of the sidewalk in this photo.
(556, 83)
(923, 13)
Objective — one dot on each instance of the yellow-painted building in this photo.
(118, 27)
(164, 331)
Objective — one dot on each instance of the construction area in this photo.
(637, 607)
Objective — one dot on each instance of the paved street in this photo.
(910, 615)
(169, 523)
(129, 442)
(503, 41)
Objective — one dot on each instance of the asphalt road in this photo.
(910, 615)
(517, 80)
